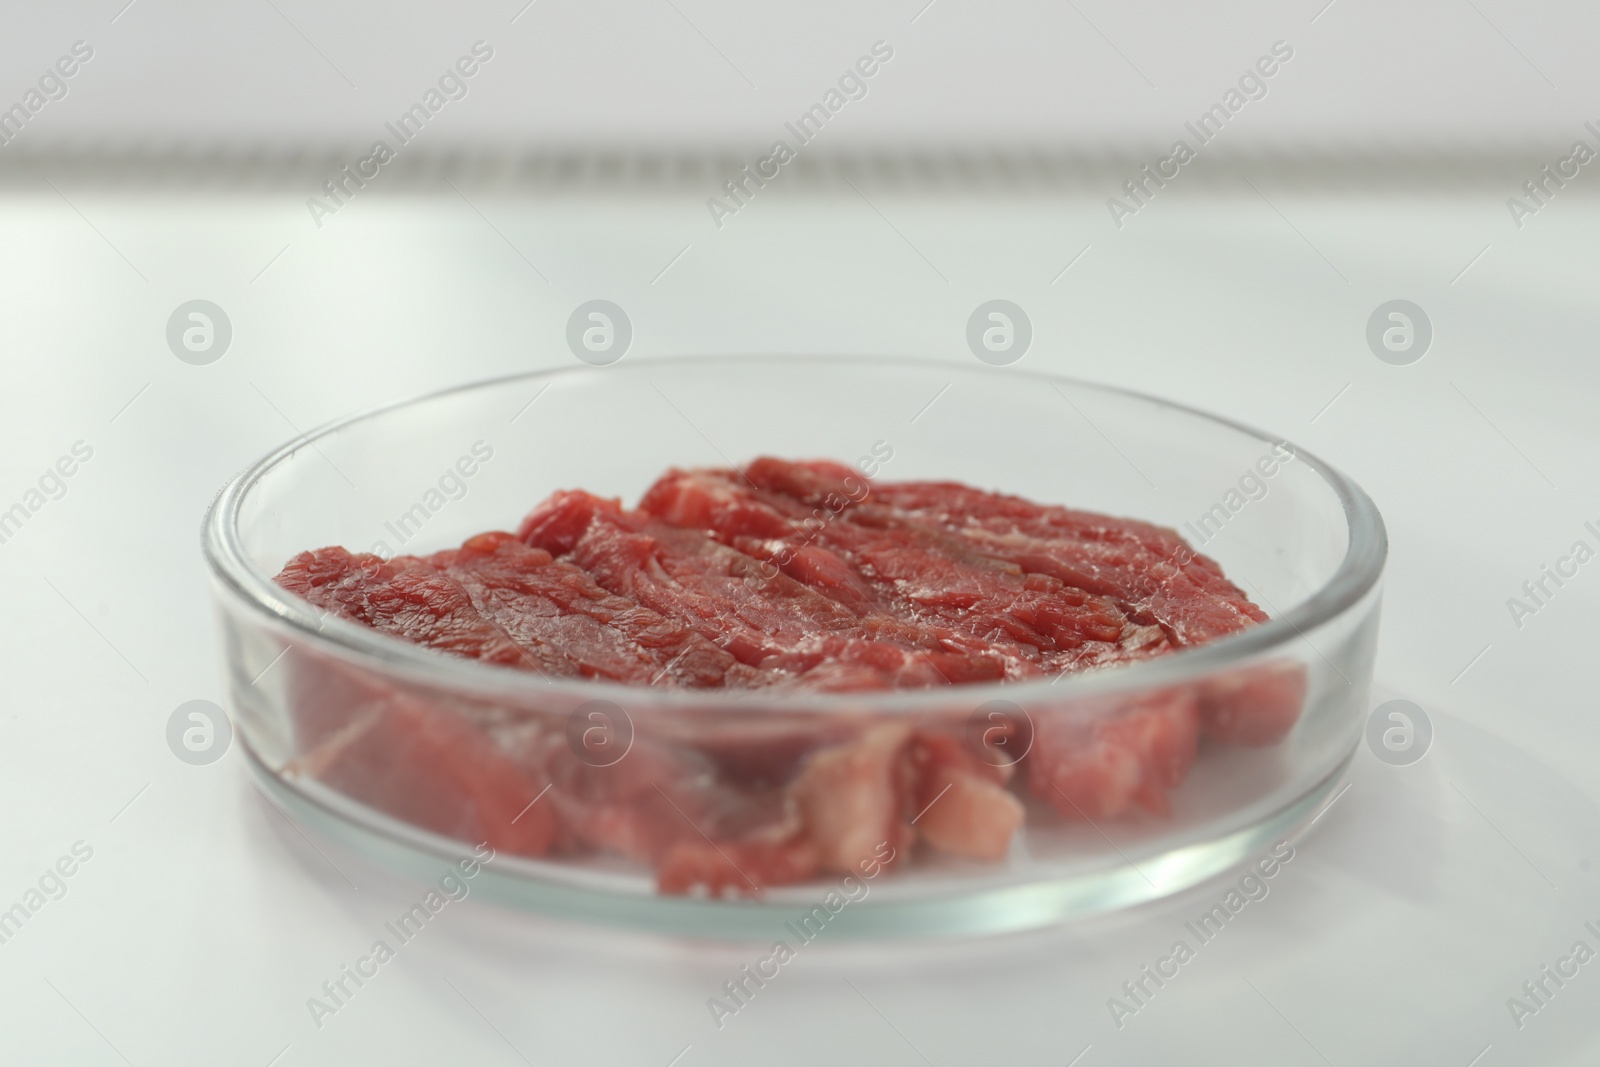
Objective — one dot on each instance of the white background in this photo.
(1449, 74)
(1414, 908)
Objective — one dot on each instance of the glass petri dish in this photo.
(308, 691)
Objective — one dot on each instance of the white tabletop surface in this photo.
(1417, 905)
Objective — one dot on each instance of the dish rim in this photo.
(1358, 573)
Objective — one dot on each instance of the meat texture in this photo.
(781, 578)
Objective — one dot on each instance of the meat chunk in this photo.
(1256, 705)
(560, 612)
(663, 806)
(860, 554)
(963, 806)
(406, 598)
(852, 797)
(414, 761)
(777, 625)
(497, 600)
(1108, 758)
(1150, 570)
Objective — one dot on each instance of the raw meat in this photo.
(1108, 758)
(781, 578)
(962, 804)
(496, 599)
(778, 625)
(863, 556)
(408, 758)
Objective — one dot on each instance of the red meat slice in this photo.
(404, 597)
(778, 625)
(498, 600)
(1253, 705)
(662, 805)
(1102, 760)
(860, 555)
(1149, 569)
(403, 756)
(962, 805)
(559, 610)
(852, 798)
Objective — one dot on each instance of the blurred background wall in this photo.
(1460, 82)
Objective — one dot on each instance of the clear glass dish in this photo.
(1303, 541)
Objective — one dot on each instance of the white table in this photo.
(203, 921)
